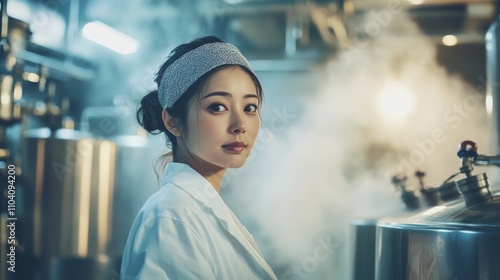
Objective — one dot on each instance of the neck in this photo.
(213, 177)
(212, 173)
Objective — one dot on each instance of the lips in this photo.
(236, 147)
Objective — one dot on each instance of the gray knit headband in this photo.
(187, 69)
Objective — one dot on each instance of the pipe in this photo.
(5, 21)
(73, 25)
(290, 36)
(487, 160)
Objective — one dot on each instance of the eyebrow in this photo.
(227, 94)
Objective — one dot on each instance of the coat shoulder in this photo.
(174, 203)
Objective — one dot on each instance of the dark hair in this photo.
(149, 114)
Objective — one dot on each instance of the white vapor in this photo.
(332, 163)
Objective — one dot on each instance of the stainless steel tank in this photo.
(80, 197)
(68, 197)
(363, 230)
(363, 248)
(456, 240)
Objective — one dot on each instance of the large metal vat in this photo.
(80, 197)
(363, 231)
(444, 242)
(68, 195)
(457, 240)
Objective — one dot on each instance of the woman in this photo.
(207, 103)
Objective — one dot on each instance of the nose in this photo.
(237, 124)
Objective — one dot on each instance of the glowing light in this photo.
(489, 104)
(450, 40)
(5, 99)
(489, 46)
(416, 2)
(32, 77)
(18, 91)
(395, 101)
(109, 37)
(489, 36)
(19, 10)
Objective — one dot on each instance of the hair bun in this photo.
(149, 113)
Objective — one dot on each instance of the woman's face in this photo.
(222, 124)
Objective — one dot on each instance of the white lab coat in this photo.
(185, 231)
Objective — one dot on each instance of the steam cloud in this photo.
(333, 163)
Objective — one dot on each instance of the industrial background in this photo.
(354, 175)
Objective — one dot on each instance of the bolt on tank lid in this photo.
(448, 191)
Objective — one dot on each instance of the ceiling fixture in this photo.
(109, 37)
(416, 2)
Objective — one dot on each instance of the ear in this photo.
(170, 123)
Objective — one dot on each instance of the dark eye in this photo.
(251, 108)
(217, 108)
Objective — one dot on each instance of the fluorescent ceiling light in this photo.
(109, 37)
(416, 2)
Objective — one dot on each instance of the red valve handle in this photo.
(467, 149)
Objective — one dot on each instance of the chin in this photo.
(235, 163)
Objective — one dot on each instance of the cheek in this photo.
(210, 126)
(253, 126)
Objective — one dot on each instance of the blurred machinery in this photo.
(456, 240)
(72, 194)
(14, 35)
(81, 197)
(455, 236)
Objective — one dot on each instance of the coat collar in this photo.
(187, 179)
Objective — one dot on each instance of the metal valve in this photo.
(467, 151)
(399, 181)
(474, 188)
(420, 175)
(430, 194)
(409, 198)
